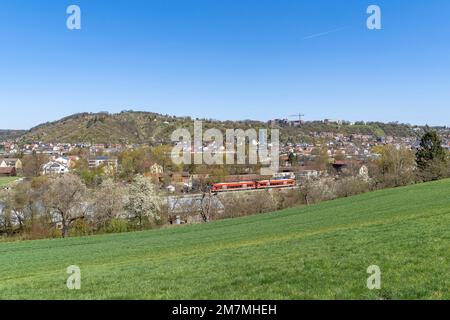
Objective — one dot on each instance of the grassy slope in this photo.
(321, 251)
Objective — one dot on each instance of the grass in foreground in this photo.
(316, 252)
(7, 180)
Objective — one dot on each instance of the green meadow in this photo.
(6, 180)
(315, 252)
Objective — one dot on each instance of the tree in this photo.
(134, 162)
(322, 158)
(395, 166)
(143, 202)
(314, 191)
(66, 197)
(32, 164)
(339, 155)
(19, 202)
(292, 158)
(6, 223)
(351, 186)
(108, 202)
(91, 177)
(431, 157)
(162, 156)
(206, 206)
(217, 173)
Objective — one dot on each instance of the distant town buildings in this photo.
(298, 159)
(103, 161)
(53, 168)
(11, 162)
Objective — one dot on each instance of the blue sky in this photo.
(226, 59)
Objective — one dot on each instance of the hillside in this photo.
(125, 127)
(10, 134)
(148, 127)
(320, 251)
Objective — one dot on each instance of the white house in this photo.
(54, 168)
(103, 161)
(63, 160)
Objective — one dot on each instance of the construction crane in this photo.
(299, 115)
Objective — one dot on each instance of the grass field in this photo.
(6, 180)
(319, 252)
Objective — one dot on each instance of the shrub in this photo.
(80, 228)
(351, 186)
(116, 226)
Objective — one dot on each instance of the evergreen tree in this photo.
(431, 157)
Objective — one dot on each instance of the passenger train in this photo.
(250, 185)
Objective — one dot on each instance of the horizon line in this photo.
(222, 120)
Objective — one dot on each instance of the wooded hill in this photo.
(10, 134)
(131, 127)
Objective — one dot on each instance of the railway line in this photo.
(253, 185)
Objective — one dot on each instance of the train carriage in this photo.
(249, 185)
(279, 183)
(233, 186)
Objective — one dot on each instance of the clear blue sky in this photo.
(226, 59)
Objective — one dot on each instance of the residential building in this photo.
(103, 161)
(11, 162)
(54, 168)
(8, 172)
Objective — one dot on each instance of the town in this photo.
(320, 165)
(309, 157)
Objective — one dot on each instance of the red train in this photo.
(249, 185)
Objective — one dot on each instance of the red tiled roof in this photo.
(8, 170)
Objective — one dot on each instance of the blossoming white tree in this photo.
(143, 202)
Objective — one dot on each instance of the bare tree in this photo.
(19, 202)
(108, 202)
(395, 167)
(317, 190)
(32, 164)
(243, 204)
(5, 214)
(351, 186)
(205, 206)
(66, 197)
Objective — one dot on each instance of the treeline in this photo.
(10, 134)
(376, 129)
(395, 167)
(61, 206)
